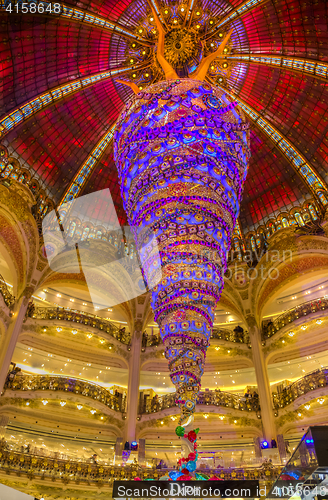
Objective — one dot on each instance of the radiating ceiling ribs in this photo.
(87, 167)
(244, 8)
(316, 69)
(299, 163)
(24, 112)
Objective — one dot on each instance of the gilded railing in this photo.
(78, 471)
(210, 398)
(312, 306)
(308, 383)
(236, 335)
(57, 313)
(67, 385)
(6, 294)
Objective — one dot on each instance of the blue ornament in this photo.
(175, 474)
(191, 466)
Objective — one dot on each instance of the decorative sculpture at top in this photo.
(181, 149)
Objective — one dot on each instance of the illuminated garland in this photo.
(181, 150)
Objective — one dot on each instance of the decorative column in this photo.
(133, 387)
(263, 384)
(9, 340)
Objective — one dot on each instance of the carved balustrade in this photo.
(312, 306)
(6, 294)
(81, 471)
(210, 398)
(308, 383)
(56, 313)
(67, 385)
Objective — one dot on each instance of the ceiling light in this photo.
(89, 335)
(27, 403)
(58, 329)
(319, 321)
(291, 334)
(235, 421)
(205, 415)
(79, 407)
(72, 300)
(321, 401)
(93, 412)
(221, 417)
(74, 332)
(299, 414)
(303, 327)
(44, 402)
(62, 403)
(151, 19)
(58, 295)
(182, 9)
(307, 407)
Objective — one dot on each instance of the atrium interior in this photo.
(163, 240)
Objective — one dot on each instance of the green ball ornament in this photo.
(179, 430)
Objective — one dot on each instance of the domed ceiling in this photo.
(276, 65)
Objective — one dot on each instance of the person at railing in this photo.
(155, 403)
(144, 339)
(93, 459)
(121, 334)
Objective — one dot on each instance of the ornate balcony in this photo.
(69, 471)
(309, 382)
(67, 385)
(6, 294)
(235, 335)
(209, 398)
(312, 306)
(57, 313)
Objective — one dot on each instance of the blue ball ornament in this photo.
(191, 466)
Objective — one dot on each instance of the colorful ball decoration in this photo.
(181, 151)
(179, 431)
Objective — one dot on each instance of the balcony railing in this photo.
(69, 385)
(35, 466)
(217, 333)
(240, 336)
(308, 383)
(4, 290)
(210, 398)
(291, 315)
(56, 313)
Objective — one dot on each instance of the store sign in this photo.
(186, 489)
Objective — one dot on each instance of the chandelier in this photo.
(181, 150)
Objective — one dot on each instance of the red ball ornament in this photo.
(185, 435)
(192, 436)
